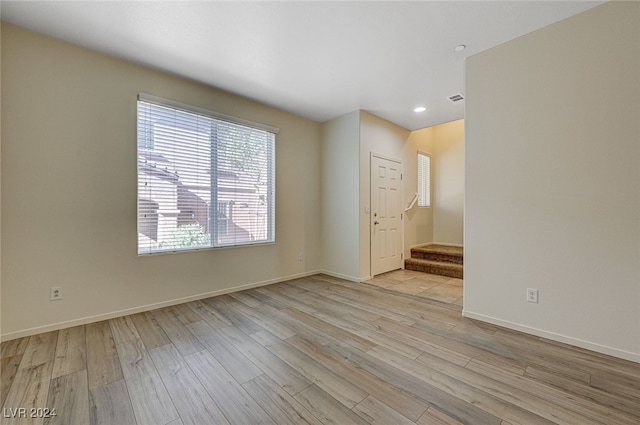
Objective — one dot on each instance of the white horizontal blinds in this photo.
(244, 184)
(424, 180)
(202, 182)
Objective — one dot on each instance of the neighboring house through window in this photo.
(204, 180)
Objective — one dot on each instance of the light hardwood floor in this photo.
(317, 350)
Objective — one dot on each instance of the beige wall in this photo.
(69, 190)
(448, 183)
(0, 181)
(419, 220)
(552, 173)
(382, 137)
(348, 140)
(340, 173)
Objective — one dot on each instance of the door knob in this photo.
(376, 222)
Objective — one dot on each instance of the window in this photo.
(204, 180)
(424, 180)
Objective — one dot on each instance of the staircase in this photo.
(437, 259)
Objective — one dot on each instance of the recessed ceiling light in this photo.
(460, 47)
(420, 109)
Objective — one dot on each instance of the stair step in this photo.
(434, 267)
(441, 253)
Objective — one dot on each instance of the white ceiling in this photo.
(319, 60)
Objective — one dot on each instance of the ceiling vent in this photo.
(456, 97)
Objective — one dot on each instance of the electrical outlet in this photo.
(56, 293)
(300, 256)
(532, 295)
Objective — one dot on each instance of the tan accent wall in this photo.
(552, 198)
(382, 137)
(69, 190)
(448, 183)
(340, 194)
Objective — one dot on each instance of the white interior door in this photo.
(386, 215)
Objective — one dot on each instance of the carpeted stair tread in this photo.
(442, 253)
(434, 267)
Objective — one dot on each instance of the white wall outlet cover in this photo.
(56, 293)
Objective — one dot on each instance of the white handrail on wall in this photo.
(412, 203)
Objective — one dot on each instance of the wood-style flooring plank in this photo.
(354, 300)
(326, 408)
(14, 347)
(415, 308)
(245, 298)
(222, 305)
(403, 402)
(236, 404)
(103, 364)
(626, 387)
(68, 399)
(40, 349)
(376, 412)
(149, 398)
(533, 352)
(459, 388)
(183, 313)
(283, 295)
(355, 325)
(235, 362)
(150, 331)
(595, 395)
(29, 390)
(421, 340)
(333, 384)
(458, 344)
(316, 350)
(596, 363)
(8, 369)
(71, 353)
(434, 416)
(270, 324)
(178, 333)
(292, 325)
(110, 405)
(194, 405)
(209, 314)
(335, 332)
(266, 299)
(371, 331)
(553, 400)
(283, 374)
(329, 307)
(278, 404)
(466, 410)
(123, 329)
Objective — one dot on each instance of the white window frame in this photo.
(146, 145)
(424, 179)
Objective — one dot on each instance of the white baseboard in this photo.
(343, 276)
(622, 354)
(148, 307)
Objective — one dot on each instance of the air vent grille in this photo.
(456, 97)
